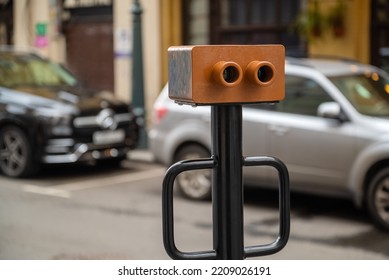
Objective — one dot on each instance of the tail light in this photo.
(159, 113)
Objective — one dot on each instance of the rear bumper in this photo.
(156, 143)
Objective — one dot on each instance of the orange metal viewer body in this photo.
(206, 75)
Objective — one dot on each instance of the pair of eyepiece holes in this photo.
(230, 74)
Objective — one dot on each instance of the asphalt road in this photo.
(89, 212)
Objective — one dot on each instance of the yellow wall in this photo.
(171, 30)
(356, 42)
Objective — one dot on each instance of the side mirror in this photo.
(330, 110)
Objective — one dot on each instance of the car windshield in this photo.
(369, 93)
(31, 70)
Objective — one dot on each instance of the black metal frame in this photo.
(227, 164)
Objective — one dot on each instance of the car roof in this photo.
(12, 50)
(331, 67)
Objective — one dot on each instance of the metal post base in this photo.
(227, 164)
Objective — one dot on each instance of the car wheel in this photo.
(15, 153)
(378, 198)
(196, 184)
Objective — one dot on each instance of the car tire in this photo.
(196, 184)
(378, 198)
(16, 158)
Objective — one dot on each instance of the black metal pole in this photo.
(138, 99)
(227, 193)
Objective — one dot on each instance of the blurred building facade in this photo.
(94, 37)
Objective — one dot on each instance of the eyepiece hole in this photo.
(230, 74)
(265, 73)
(227, 73)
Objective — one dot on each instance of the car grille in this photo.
(82, 144)
(93, 121)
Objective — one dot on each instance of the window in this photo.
(30, 70)
(380, 33)
(255, 22)
(303, 96)
(368, 93)
(242, 22)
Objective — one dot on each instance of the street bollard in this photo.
(226, 77)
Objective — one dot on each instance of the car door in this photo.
(317, 151)
(256, 118)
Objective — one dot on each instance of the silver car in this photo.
(332, 132)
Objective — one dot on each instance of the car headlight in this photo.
(57, 121)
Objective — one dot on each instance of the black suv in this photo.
(47, 117)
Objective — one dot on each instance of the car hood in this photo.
(376, 128)
(76, 99)
(378, 123)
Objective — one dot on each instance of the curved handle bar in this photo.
(251, 251)
(167, 209)
(284, 205)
